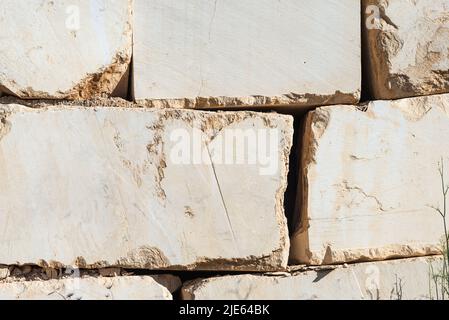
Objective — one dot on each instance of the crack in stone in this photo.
(366, 195)
(213, 18)
(357, 158)
(222, 198)
(387, 19)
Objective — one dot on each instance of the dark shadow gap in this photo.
(367, 93)
(291, 193)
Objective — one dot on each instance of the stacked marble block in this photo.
(99, 187)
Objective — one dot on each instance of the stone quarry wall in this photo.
(154, 149)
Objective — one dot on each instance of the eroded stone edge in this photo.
(299, 101)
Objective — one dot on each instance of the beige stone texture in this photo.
(254, 53)
(369, 179)
(407, 279)
(118, 187)
(90, 288)
(406, 47)
(65, 49)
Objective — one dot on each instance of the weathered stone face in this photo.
(205, 54)
(406, 279)
(64, 49)
(406, 47)
(101, 187)
(117, 288)
(369, 179)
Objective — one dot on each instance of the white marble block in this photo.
(64, 49)
(90, 288)
(143, 188)
(406, 47)
(369, 180)
(206, 54)
(406, 279)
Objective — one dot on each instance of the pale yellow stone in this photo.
(406, 47)
(65, 48)
(208, 54)
(406, 279)
(105, 187)
(89, 288)
(369, 179)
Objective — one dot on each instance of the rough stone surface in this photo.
(64, 49)
(4, 273)
(368, 181)
(206, 54)
(89, 288)
(101, 187)
(406, 279)
(407, 47)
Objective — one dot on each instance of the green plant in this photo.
(440, 277)
(397, 291)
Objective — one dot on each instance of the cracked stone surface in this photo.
(90, 288)
(369, 179)
(407, 48)
(206, 54)
(406, 279)
(64, 49)
(100, 187)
